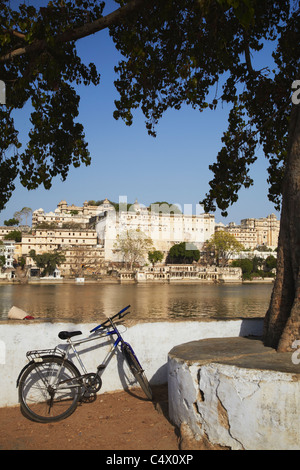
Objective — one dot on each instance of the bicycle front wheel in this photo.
(137, 370)
(49, 390)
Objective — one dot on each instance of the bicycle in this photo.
(51, 386)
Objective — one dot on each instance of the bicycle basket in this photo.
(39, 353)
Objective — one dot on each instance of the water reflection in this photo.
(149, 302)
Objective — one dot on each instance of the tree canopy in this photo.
(25, 212)
(183, 253)
(47, 261)
(175, 52)
(43, 74)
(13, 235)
(133, 246)
(196, 52)
(256, 267)
(202, 53)
(223, 245)
(155, 256)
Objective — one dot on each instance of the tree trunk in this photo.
(282, 321)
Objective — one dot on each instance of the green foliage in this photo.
(256, 267)
(183, 253)
(11, 222)
(223, 245)
(155, 256)
(95, 203)
(47, 261)
(2, 257)
(164, 207)
(133, 245)
(45, 78)
(13, 235)
(116, 205)
(245, 264)
(72, 226)
(46, 226)
(22, 262)
(185, 52)
(270, 263)
(202, 53)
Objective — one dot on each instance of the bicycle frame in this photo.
(114, 331)
(36, 356)
(51, 381)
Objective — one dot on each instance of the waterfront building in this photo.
(6, 230)
(252, 233)
(7, 249)
(173, 273)
(96, 228)
(43, 240)
(165, 226)
(78, 246)
(83, 260)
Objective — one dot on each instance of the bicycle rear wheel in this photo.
(49, 390)
(137, 370)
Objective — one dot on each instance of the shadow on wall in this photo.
(252, 327)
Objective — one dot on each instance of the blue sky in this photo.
(126, 161)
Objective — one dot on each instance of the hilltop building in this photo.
(65, 214)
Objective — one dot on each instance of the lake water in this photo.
(90, 302)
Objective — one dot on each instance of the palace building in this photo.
(255, 232)
(88, 235)
(165, 225)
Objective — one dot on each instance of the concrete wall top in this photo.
(151, 342)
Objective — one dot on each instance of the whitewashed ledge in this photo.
(234, 394)
(151, 342)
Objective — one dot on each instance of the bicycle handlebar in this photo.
(119, 314)
(121, 311)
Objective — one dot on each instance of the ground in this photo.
(114, 421)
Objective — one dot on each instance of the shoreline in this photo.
(122, 282)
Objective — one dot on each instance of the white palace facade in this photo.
(97, 228)
(165, 225)
(100, 226)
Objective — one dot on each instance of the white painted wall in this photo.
(238, 408)
(151, 342)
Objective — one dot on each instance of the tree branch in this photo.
(78, 33)
(14, 32)
(248, 54)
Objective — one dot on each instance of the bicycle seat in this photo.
(68, 334)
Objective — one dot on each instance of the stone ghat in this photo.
(235, 394)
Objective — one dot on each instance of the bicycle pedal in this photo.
(101, 367)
